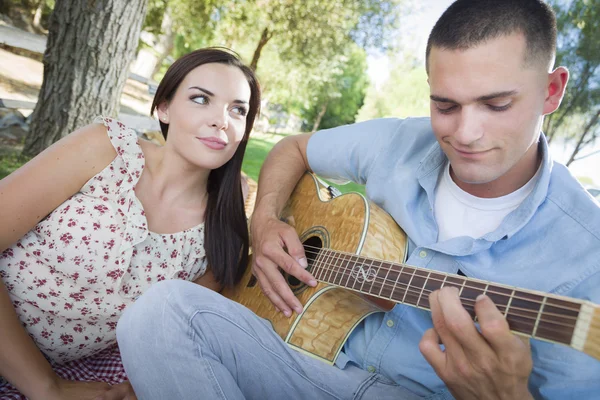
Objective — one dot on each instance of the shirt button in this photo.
(422, 254)
(390, 323)
(371, 368)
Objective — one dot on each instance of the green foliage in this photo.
(578, 23)
(295, 46)
(338, 97)
(405, 93)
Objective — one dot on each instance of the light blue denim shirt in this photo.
(551, 243)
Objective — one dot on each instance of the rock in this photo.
(13, 133)
(12, 118)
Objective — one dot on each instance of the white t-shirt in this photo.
(459, 213)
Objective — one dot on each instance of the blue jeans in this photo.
(183, 341)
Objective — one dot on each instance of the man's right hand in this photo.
(276, 244)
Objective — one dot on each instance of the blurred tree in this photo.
(577, 119)
(86, 63)
(309, 30)
(404, 93)
(337, 96)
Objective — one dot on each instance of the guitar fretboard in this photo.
(527, 312)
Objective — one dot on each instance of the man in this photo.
(476, 192)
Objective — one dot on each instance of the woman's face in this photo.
(207, 114)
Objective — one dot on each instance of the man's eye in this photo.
(499, 108)
(446, 110)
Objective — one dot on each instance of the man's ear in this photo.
(163, 112)
(555, 89)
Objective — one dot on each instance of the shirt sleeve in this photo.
(347, 153)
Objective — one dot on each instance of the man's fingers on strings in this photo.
(494, 326)
(296, 263)
(457, 322)
(267, 289)
(279, 285)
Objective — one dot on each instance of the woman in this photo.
(98, 217)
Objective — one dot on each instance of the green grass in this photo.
(10, 160)
(257, 151)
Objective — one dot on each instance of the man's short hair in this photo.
(468, 23)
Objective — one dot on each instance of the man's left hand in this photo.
(493, 364)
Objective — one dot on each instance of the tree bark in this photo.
(580, 142)
(86, 63)
(320, 116)
(166, 41)
(264, 38)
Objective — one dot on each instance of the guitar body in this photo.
(348, 223)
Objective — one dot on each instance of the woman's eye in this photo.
(240, 111)
(200, 99)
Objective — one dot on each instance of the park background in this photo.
(321, 63)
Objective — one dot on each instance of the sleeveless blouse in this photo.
(72, 275)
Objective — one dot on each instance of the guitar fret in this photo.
(509, 301)
(366, 274)
(374, 283)
(318, 264)
(348, 260)
(484, 292)
(331, 267)
(408, 285)
(338, 267)
(328, 265)
(396, 281)
(384, 279)
(423, 288)
(537, 320)
(462, 287)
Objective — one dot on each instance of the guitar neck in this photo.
(535, 314)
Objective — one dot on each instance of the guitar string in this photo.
(466, 279)
(467, 302)
(381, 268)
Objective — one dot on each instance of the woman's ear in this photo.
(163, 112)
(555, 89)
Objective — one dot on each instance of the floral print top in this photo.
(72, 275)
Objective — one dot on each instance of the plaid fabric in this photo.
(105, 366)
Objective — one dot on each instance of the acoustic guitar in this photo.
(357, 252)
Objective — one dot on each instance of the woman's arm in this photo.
(26, 197)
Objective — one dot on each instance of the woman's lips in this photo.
(213, 142)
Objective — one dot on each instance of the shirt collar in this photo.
(431, 167)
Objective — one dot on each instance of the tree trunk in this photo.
(264, 38)
(320, 116)
(86, 63)
(166, 41)
(586, 130)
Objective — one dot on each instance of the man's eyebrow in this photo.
(208, 92)
(496, 95)
(486, 97)
(442, 99)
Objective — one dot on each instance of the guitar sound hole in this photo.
(312, 245)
